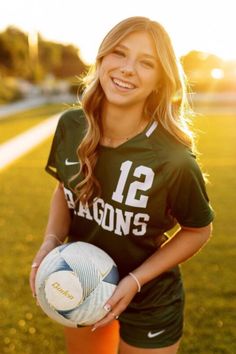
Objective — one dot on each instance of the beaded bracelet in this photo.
(136, 280)
(53, 236)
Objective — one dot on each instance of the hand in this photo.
(122, 296)
(47, 246)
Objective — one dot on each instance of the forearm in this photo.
(182, 246)
(59, 217)
(56, 231)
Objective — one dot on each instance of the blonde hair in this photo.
(168, 104)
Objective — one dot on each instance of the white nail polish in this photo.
(107, 307)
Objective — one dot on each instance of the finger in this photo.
(32, 281)
(41, 254)
(111, 316)
(113, 300)
(34, 268)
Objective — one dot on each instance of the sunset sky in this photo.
(205, 25)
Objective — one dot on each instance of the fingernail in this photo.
(93, 329)
(107, 307)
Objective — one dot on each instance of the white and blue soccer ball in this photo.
(73, 283)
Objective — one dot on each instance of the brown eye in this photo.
(147, 64)
(119, 53)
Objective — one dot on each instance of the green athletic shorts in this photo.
(154, 318)
(167, 331)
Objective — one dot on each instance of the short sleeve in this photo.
(63, 161)
(51, 166)
(187, 196)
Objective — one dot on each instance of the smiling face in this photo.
(130, 72)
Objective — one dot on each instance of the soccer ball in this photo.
(73, 283)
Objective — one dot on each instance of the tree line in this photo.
(32, 62)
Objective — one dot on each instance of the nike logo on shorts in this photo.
(69, 163)
(154, 334)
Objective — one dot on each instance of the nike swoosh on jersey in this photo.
(155, 334)
(69, 163)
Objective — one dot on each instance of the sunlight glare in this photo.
(187, 32)
(217, 73)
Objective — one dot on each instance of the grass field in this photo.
(17, 123)
(209, 276)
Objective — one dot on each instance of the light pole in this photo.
(33, 53)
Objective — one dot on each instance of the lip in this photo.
(131, 84)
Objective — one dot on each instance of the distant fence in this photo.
(33, 102)
(209, 102)
(214, 102)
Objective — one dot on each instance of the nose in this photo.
(127, 69)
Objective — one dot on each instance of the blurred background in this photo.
(44, 48)
(44, 45)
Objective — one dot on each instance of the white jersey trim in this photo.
(151, 129)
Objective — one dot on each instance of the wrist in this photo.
(136, 281)
(49, 243)
(53, 238)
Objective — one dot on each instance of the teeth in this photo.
(123, 84)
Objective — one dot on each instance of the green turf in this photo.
(211, 300)
(209, 276)
(17, 123)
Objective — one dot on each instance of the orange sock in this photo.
(104, 340)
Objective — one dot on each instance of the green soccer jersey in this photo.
(149, 183)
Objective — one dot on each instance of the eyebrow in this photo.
(143, 54)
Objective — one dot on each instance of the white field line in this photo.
(22, 143)
(28, 103)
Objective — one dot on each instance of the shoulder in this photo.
(185, 162)
(170, 149)
(71, 127)
(163, 141)
(72, 117)
(175, 158)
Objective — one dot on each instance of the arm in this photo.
(182, 246)
(59, 216)
(56, 230)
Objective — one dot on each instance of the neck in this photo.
(121, 123)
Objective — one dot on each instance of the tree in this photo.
(14, 57)
(50, 58)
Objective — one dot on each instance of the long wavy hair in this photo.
(168, 104)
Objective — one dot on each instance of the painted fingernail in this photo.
(107, 307)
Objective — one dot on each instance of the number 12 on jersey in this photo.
(132, 199)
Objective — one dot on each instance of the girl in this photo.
(127, 174)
